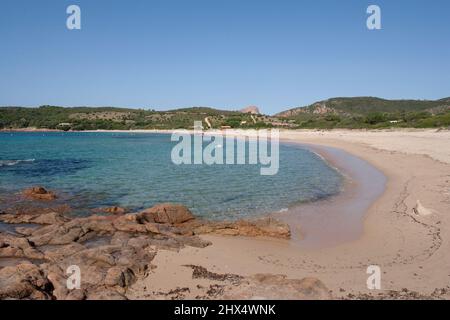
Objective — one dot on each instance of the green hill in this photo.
(370, 112)
(358, 112)
(109, 118)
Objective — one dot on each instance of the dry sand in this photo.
(406, 231)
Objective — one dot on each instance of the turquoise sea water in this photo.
(135, 170)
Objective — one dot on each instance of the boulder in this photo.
(11, 246)
(99, 224)
(49, 218)
(38, 193)
(167, 213)
(120, 276)
(24, 231)
(59, 282)
(112, 210)
(24, 281)
(36, 218)
(57, 235)
(60, 252)
(265, 227)
(129, 223)
(76, 294)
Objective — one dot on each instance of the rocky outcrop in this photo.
(18, 247)
(24, 281)
(265, 227)
(108, 266)
(167, 213)
(250, 109)
(111, 210)
(26, 213)
(111, 251)
(38, 193)
(37, 218)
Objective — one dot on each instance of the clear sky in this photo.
(222, 53)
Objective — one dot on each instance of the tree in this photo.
(375, 117)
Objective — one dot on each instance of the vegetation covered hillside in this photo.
(108, 118)
(360, 112)
(370, 112)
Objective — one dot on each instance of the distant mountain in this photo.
(251, 110)
(365, 105)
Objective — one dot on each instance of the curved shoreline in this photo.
(405, 231)
(339, 218)
(331, 221)
(335, 219)
(412, 250)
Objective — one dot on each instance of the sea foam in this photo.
(5, 163)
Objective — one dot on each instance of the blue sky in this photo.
(221, 53)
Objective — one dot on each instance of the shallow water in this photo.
(135, 170)
(339, 218)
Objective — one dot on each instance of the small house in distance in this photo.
(65, 126)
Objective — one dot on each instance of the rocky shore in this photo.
(114, 249)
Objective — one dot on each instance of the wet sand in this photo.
(337, 219)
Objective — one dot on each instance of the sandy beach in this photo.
(405, 230)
